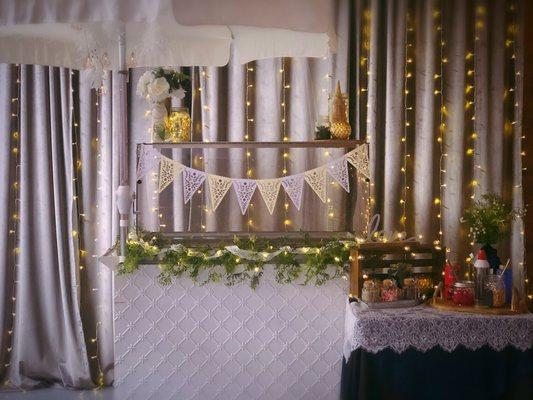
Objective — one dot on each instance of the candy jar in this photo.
(463, 293)
(371, 292)
(424, 287)
(494, 291)
(409, 289)
(390, 291)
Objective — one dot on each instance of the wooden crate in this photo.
(375, 259)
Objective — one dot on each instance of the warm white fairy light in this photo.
(364, 78)
(203, 208)
(249, 95)
(13, 231)
(286, 138)
(510, 42)
(439, 91)
(471, 101)
(77, 234)
(407, 118)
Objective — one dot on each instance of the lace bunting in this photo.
(192, 179)
(316, 178)
(168, 171)
(338, 170)
(358, 157)
(244, 188)
(269, 189)
(148, 160)
(218, 187)
(294, 185)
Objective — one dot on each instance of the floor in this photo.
(60, 394)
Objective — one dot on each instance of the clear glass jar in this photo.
(424, 287)
(463, 293)
(494, 291)
(409, 289)
(390, 291)
(174, 128)
(371, 292)
(481, 274)
(180, 123)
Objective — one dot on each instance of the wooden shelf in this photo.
(223, 237)
(320, 144)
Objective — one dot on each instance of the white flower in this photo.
(158, 89)
(178, 93)
(144, 81)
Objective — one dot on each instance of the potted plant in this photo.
(488, 221)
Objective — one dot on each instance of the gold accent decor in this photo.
(340, 128)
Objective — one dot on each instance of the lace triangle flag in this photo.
(168, 171)
(338, 170)
(218, 187)
(358, 157)
(294, 185)
(244, 188)
(148, 160)
(316, 178)
(269, 189)
(192, 179)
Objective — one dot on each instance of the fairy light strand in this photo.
(364, 63)
(408, 74)
(512, 32)
(204, 210)
(15, 217)
(77, 233)
(471, 110)
(247, 136)
(286, 138)
(471, 101)
(438, 201)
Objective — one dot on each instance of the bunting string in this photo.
(150, 159)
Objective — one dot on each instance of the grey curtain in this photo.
(59, 213)
(58, 174)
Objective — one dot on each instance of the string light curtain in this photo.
(266, 100)
(439, 97)
(443, 153)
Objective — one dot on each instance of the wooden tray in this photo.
(448, 305)
(393, 304)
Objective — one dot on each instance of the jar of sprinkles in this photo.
(463, 293)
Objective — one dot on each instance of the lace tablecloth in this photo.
(424, 328)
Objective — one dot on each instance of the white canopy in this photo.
(84, 33)
(116, 34)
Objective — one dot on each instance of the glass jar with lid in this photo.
(390, 291)
(371, 291)
(463, 293)
(409, 289)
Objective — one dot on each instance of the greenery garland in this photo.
(203, 264)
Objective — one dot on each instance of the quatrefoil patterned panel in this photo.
(188, 342)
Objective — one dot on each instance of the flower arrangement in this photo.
(160, 84)
(489, 218)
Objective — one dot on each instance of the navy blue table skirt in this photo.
(437, 374)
